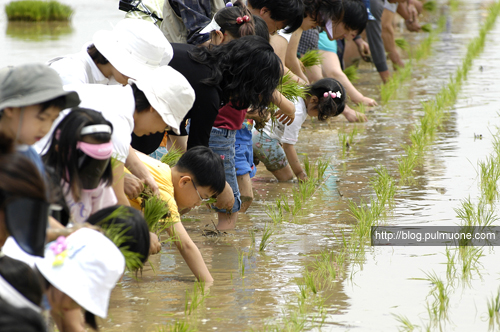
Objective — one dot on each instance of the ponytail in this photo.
(236, 20)
(331, 97)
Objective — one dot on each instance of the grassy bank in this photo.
(37, 11)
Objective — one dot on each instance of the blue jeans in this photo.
(222, 142)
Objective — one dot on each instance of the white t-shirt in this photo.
(287, 36)
(117, 105)
(288, 134)
(90, 202)
(79, 68)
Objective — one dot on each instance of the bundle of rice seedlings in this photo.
(352, 73)
(37, 10)
(402, 43)
(172, 157)
(311, 58)
(291, 89)
(116, 233)
(430, 5)
(157, 214)
(426, 27)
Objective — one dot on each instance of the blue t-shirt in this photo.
(31, 154)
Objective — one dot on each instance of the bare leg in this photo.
(284, 174)
(389, 40)
(246, 192)
(227, 221)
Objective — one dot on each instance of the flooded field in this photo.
(379, 288)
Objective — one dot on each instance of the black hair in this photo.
(59, 102)
(137, 231)
(327, 106)
(23, 278)
(355, 15)
(289, 11)
(60, 155)
(96, 56)
(20, 177)
(205, 166)
(352, 13)
(14, 319)
(141, 101)
(226, 19)
(261, 27)
(246, 69)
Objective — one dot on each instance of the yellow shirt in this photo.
(163, 176)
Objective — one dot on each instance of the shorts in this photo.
(269, 151)
(222, 142)
(325, 44)
(159, 153)
(244, 159)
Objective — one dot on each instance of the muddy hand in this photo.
(133, 187)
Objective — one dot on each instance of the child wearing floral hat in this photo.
(80, 272)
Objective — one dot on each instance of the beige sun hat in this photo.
(170, 94)
(135, 47)
(86, 266)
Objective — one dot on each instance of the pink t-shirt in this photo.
(90, 202)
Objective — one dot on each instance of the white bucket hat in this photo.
(87, 270)
(170, 94)
(134, 47)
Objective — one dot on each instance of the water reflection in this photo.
(38, 31)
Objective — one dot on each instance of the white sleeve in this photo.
(291, 133)
(287, 36)
(70, 71)
(121, 138)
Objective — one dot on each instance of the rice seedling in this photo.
(297, 202)
(179, 326)
(426, 28)
(266, 236)
(284, 205)
(241, 263)
(406, 164)
(311, 282)
(172, 157)
(37, 10)
(489, 172)
(309, 167)
(384, 186)
(440, 294)
(471, 214)
(361, 108)
(451, 269)
(430, 5)
(291, 89)
(311, 58)
(454, 4)
(402, 44)
(469, 261)
(195, 298)
(406, 325)
(307, 188)
(493, 308)
(322, 165)
(252, 238)
(275, 213)
(352, 73)
(344, 143)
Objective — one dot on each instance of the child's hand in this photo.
(353, 116)
(154, 244)
(302, 176)
(132, 186)
(150, 181)
(368, 101)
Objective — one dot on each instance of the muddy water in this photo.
(366, 298)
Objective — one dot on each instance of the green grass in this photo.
(36, 11)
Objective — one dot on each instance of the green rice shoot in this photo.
(311, 58)
(352, 73)
(426, 28)
(172, 157)
(402, 44)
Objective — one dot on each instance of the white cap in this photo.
(134, 47)
(170, 94)
(92, 267)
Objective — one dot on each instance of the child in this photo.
(197, 177)
(133, 48)
(85, 176)
(24, 205)
(275, 144)
(31, 97)
(80, 272)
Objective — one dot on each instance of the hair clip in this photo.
(60, 250)
(240, 20)
(229, 4)
(332, 94)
